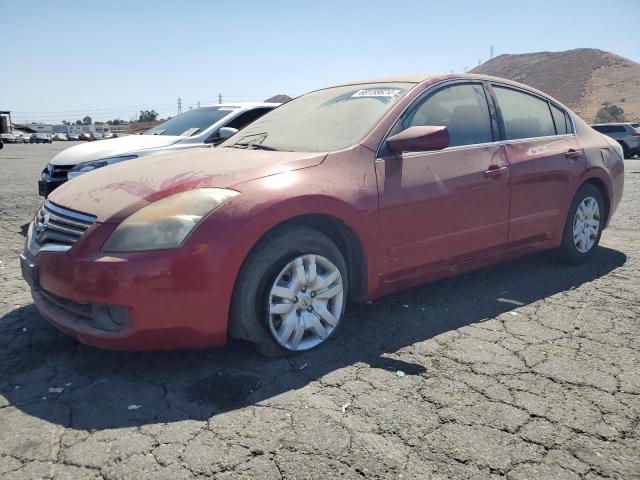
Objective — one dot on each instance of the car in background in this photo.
(10, 137)
(195, 128)
(40, 138)
(626, 134)
(85, 137)
(25, 137)
(73, 137)
(344, 194)
(60, 137)
(1, 144)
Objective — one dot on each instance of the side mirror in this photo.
(419, 139)
(226, 132)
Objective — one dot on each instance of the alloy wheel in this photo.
(586, 224)
(305, 302)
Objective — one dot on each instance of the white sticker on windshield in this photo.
(227, 109)
(376, 92)
(189, 132)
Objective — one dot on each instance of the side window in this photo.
(246, 118)
(524, 115)
(560, 120)
(463, 109)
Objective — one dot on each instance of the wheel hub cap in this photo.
(586, 225)
(305, 302)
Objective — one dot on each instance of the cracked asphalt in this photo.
(527, 369)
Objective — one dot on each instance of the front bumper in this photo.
(168, 299)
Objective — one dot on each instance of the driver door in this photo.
(438, 208)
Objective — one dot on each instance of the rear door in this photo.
(545, 159)
(442, 207)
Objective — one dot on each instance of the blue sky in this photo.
(64, 59)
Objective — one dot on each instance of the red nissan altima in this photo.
(344, 194)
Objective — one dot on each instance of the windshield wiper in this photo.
(252, 146)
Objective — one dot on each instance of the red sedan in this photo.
(344, 194)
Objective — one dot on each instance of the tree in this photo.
(87, 120)
(65, 122)
(78, 122)
(148, 116)
(610, 113)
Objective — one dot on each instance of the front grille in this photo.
(57, 172)
(82, 311)
(108, 318)
(60, 171)
(58, 225)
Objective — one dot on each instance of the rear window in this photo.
(609, 128)
(524, 115)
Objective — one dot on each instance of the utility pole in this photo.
(219, 98)
(198, 103)
(491, 52)
(179, 106)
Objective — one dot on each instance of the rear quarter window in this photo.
(524, 115)
(560, 120)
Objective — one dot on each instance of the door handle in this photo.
(495, 171)
(573, 153)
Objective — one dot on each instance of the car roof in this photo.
(418, 78)
(243, 104)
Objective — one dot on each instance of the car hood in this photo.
(113, 147)
(113, 193)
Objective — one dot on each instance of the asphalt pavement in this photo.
(524, 370)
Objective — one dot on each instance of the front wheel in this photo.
(583, 226)
(291, 292)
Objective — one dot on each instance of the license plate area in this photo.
(42, 188)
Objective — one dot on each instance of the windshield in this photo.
(191, 122)
(322, 121)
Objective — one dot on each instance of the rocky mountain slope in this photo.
(583, 79)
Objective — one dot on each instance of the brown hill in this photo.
(583, 79)
(279, 99)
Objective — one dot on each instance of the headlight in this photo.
(167, 222)
(89, 166)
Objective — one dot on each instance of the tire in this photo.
(582, 249)
(625, 150)
(265, 268)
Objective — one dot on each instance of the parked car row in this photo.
(342, 195)
(15, 137)
(20, 137)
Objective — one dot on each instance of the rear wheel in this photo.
(583, 226)
(625, 150)
(291, 293)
